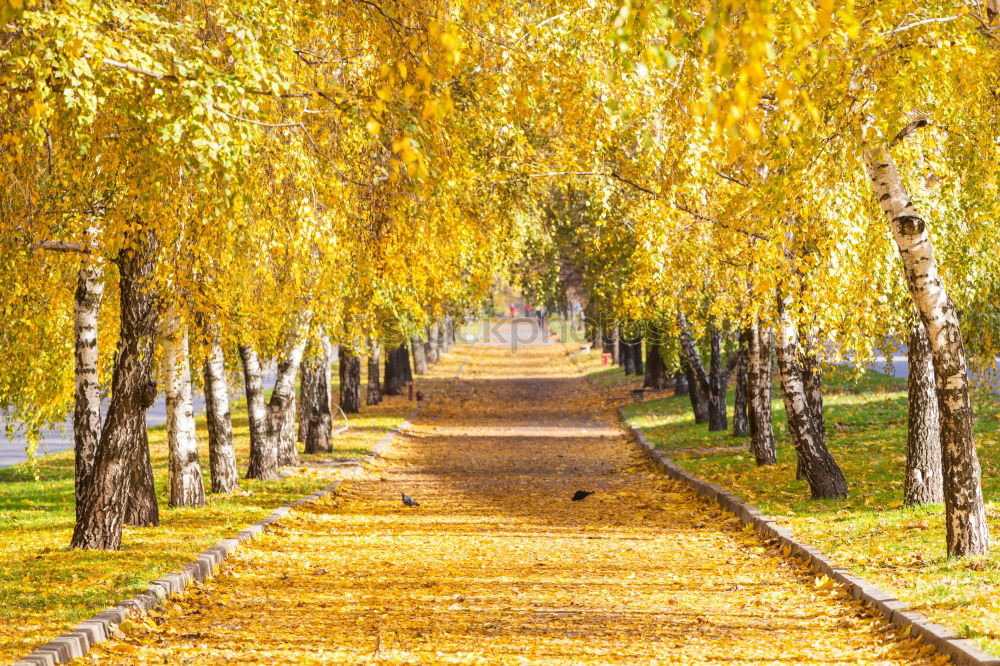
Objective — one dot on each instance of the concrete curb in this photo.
(79, 640)
(898, 613)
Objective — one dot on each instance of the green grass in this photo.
(565, 332)
(899, 548)
(45, 588)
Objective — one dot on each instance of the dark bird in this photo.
(582, 494)
(420, 396)
(409, 501)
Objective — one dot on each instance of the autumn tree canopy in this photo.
(260, 174)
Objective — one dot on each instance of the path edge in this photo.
(898, 613)
(79, 640)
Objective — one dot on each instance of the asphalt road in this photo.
(61, 438)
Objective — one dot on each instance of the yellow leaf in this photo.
(427, 112)
(823, 583)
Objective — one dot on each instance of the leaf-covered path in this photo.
(497, 565)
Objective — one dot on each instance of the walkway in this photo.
(497, 565)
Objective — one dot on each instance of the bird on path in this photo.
(409, 501)
(582, 494)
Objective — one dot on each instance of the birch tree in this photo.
(185, 485)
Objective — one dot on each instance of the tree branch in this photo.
(617, 176)
(730, 366)
(20, 186)
(939, 19)
(645, 190)
(255, 122)
(691, 354)
(394, 23)
(64, 246)
(731, 178)
(553, 18)
(138, 70)
(908, 130)
(174, 79)
(344, 177)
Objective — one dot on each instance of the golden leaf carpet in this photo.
(498, 565)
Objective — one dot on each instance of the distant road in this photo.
(56, 439)
(900, 368)
(12, 450)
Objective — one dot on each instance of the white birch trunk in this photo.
(314, 399)
(741, 399)
(697, 379)
(263, 449)
(328, 350)
(87, 410)
(185, 483)
(374, 395)
(711, 387)
(759, 383)
(419, 355)
(221, 454)
(965, 514)
(350, 381)
(281, 413)
(120, 488)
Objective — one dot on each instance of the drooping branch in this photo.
(394, 23)
(172, 78)
(551, 19)
(653, 193)
(642, 188)
(301, 126)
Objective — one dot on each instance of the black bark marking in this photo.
(910, 225)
